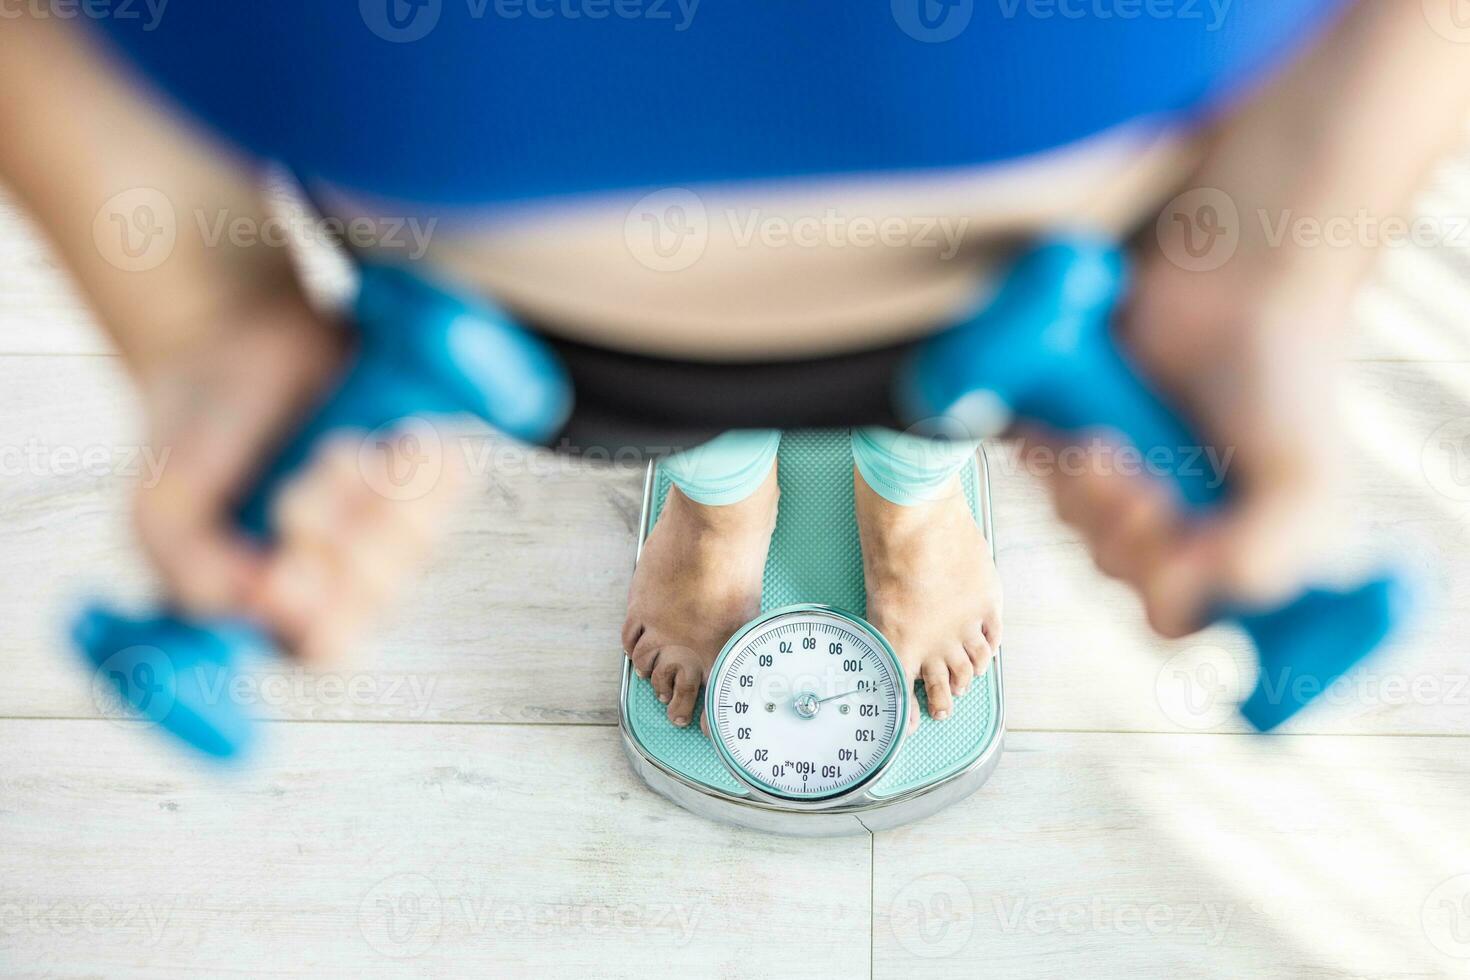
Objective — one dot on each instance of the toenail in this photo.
(681, 721)
(941, 715)
(663, 699)
(961, 692)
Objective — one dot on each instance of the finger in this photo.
(1106, 502)
(206, 566)
(1138, 532)
(219, 422)
(334, 634)
(343, 550)
(936, 685)
(325, 572)
(686, 688)
(296, 591)
(1220, 563)
(414, 471)
(1267, 536)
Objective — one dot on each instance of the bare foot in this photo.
(698, 580)
(932, 590)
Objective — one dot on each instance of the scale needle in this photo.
(834, 697)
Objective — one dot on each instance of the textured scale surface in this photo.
(815, 557)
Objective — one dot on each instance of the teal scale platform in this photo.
(815, 558)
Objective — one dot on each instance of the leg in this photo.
(932, 587)
(698, 579)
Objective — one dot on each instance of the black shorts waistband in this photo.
(632, 404)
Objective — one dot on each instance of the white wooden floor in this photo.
(457, 803)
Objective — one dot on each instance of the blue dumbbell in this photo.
(1043, 351)
(422, 352)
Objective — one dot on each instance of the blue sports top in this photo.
(483, 101)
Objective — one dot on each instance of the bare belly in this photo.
(790, 269)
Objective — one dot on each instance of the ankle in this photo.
(756, 512)
(896, 520)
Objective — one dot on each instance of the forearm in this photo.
(78, 135)
(1347, 135)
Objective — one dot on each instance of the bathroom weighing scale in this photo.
(808, 703)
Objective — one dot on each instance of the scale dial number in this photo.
(807, 705)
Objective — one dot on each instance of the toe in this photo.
(645, 655)
(686, 689)
(961, 671)
(936, 684)
(991, 629)
(632, 633)
(913, 722)
(663, 676)
(979, 651)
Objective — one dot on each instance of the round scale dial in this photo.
(807, 703)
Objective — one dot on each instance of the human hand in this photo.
(219, 409)
(1246, 356)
